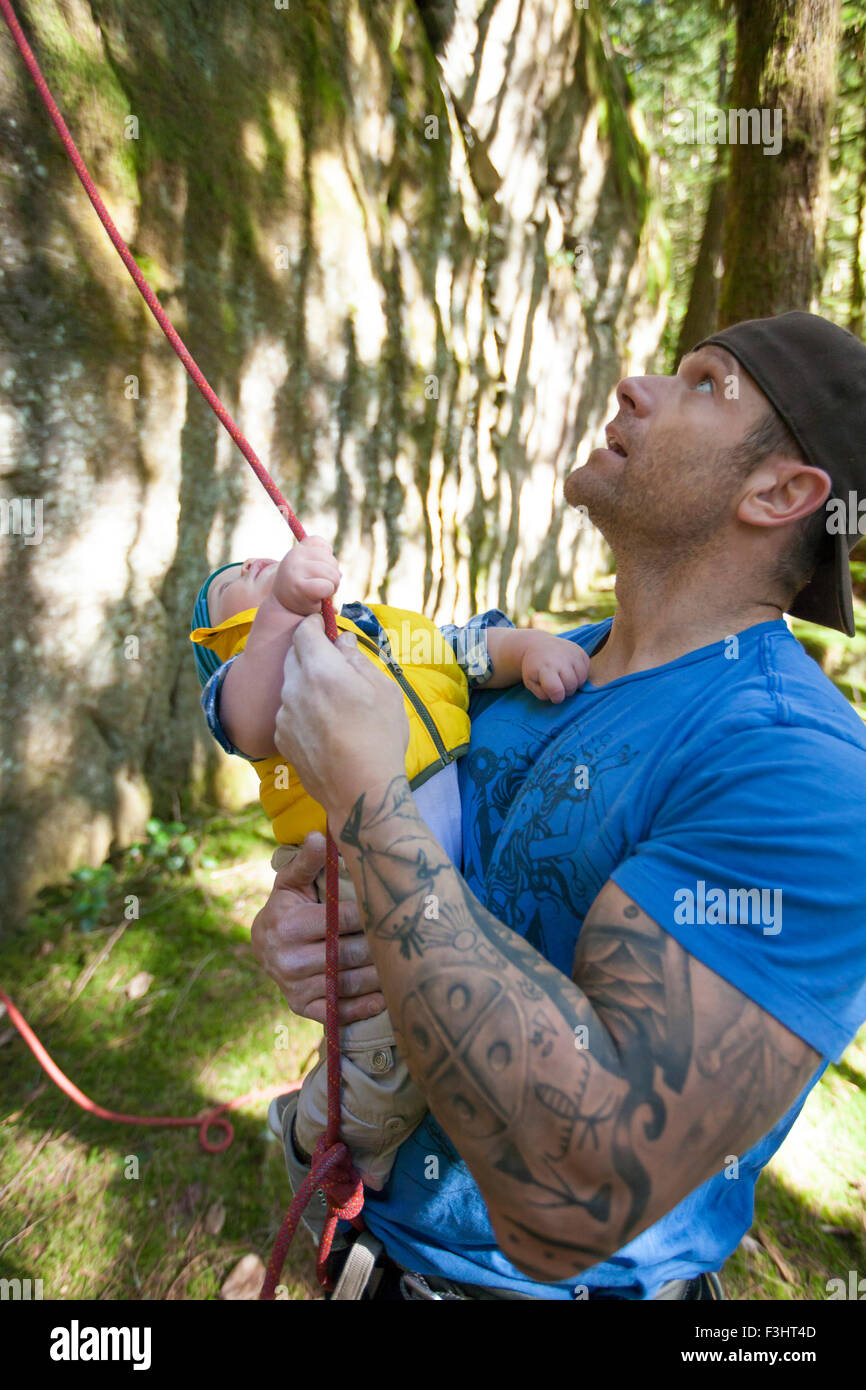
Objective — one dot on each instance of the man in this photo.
(659, 938)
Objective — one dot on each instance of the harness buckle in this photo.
(415, 1287)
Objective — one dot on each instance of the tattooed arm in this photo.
(584, 1108)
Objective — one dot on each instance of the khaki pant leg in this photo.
(381, 1105)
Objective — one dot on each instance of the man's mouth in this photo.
(614, 443)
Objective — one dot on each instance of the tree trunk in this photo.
(777, 202)
(858, 248)
(381, 295)
(701, 314)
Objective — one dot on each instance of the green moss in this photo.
(152, 270)
(630, 157)
(208, 1028)
(659, 258)
(323, 68)
(229, 319)
(88, 94)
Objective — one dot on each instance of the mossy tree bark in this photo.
(363, 217)
(777, 203)
(856, 319)
(702, 311)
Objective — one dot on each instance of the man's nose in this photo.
(638, 394)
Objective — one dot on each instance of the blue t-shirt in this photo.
(725, 792)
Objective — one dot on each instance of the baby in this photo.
(245, 616)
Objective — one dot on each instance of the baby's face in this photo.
(240, 587)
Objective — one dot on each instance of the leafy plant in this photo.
(89, 895)
(170, 844)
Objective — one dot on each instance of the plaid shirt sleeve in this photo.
(210, 704)
(470, 645)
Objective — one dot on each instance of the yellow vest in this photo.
(413, 652)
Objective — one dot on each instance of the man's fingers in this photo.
(350, 918)
(348, 645)
(309, 636)
(358, 985)
(307, 863)
(348, 1010)
(290, 923)
(352, 1010)
(308, 958)
(313, 649)
(354, 984)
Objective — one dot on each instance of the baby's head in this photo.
(230, 589)
(240, 586)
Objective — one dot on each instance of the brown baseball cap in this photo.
(814, 373)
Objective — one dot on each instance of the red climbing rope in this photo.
(204, 1122)
(332, 1167)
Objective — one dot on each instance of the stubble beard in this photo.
(653, 509)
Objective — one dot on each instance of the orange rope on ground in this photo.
(204, 1122)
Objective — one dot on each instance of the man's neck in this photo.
(663, 616)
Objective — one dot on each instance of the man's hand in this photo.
(342, 724)
(288, 939)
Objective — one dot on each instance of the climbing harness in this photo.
(332, 1169)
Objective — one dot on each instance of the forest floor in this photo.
(176, 1018)
(167, 1013)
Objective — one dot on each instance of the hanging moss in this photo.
(608, 84)
(88, 93)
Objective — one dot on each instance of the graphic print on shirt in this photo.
(555, 801)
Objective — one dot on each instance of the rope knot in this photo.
(341, 1185)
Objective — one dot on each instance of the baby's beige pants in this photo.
(381, 1105)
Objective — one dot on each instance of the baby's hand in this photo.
(308, 574)
(553, 667)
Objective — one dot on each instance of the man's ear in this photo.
(782, 490)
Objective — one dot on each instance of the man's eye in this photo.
(704, 378)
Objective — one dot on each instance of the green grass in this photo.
(817, 1179)
(207, 1030)
(204, 1032)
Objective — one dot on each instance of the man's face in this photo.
(671, 490)
(240, 587)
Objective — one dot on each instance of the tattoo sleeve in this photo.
(584, 1108)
